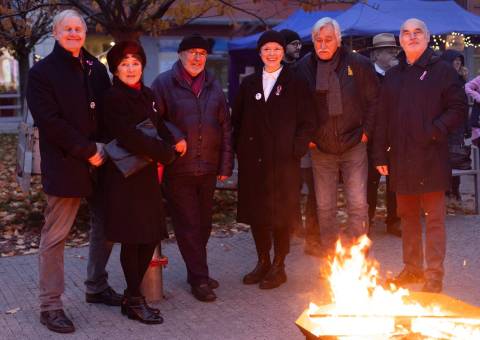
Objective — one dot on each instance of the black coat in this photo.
(60, 93)
(419, 106)
(270, 138)
(134, 210)
(205, 121)
(359, 89)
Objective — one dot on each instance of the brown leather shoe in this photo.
(407, 277)
(432, 286)
(259, 272)
(203, 293)
(57, 321)
(123, 307)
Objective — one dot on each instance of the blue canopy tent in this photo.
(363, 19)
(297, 21)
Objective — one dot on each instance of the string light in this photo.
(454, 39)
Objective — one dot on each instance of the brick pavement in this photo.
(241, 312)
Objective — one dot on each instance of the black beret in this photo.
(194, 41)
(289, 36)
(120, 50)
(270, 36)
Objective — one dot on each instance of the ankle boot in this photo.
(260, 270)
(137, 309)
(276, 275)
(123, 305)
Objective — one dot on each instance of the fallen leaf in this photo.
(12, 311)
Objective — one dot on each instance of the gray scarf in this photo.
(327, 83)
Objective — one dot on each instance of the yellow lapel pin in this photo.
(349, 71)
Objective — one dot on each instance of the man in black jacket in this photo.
(422, 101)
(345, 89)
(63, 95)
(383, 54)
(191, 99)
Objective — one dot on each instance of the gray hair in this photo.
(421, 23)
(324, 22)
(59, 17)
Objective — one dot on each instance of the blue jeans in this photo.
(353, 164)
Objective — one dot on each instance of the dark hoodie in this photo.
(450, 56)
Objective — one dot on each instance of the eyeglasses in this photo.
(193, 54)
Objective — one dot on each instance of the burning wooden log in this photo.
(362, 308)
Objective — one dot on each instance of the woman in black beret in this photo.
(134, 212)
(272, 125)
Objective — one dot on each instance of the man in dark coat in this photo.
(63, 94)
(345, 89)
(422, 101)
(191, 98)
(293, 46)
(383, 54)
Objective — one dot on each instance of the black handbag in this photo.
(127, 162)
(459, 157)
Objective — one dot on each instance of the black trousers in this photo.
(264, 235)
(135, 259)
(373, 181)
(190, 202)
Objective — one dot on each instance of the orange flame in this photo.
(361, 306)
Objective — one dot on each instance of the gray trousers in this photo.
(59, 217)
(100, 249)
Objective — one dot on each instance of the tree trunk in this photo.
(23, 67)
(125, 35)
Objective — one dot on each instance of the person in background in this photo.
(64, 95)
(344, 87)
(422, 101)
(383, 54)
(311, 230)
(272, 124)
(192, 99)
(134, 210)
(292, 48)
(459, 152)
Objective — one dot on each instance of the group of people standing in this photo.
(325, 109)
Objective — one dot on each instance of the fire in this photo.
(362, 307)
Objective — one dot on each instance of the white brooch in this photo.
(279, 89)
(258, 96)
(92, 105)
(153, 107)
(89, 62)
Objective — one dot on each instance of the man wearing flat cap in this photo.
(383, 54)
(192, 99)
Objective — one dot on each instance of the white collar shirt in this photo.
(268, 81)
(379, 69)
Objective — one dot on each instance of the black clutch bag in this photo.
(127, 162)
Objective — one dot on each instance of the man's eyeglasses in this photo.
(193, 54)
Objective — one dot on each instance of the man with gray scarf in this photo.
(345, 89)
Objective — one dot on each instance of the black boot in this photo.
(137, 309)
(260, 270)
(123, 306)
(276, 275)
